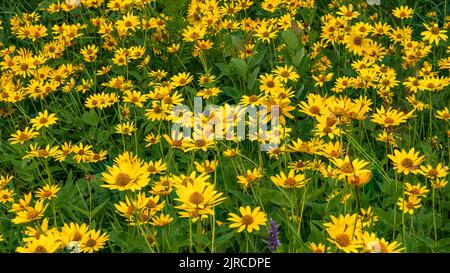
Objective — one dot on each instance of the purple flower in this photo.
(274, 242)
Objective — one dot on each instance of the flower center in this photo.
(247, 220)
(122, 179)
(343, 240)
(408, 163)
(40, 249)
(433, 173)
(291, 182)
(91, 243)
(196, 198)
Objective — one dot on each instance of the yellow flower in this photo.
(6, 195)
(129, 22)
(408, 206)
(347, 12)
(406, 162)
(207, 166)
(345, 232)
(30, 213)
(349, 167)
(82, 153)
(292, 180)
(198, 196)
(125, 128)
(433, 34)
(438, 183)
(135, 97)
(43, 120)
(161, 220)
(249, 177)
(151, 139)
(416, 190)
(265, 32)
(403, 12)
(390, 117)
(270, 84)
(22, 136)
(155, 167)
(319, 248)
(443, 114)
(47, 192)
(249, 219)
(125, 176)
(49, 243)
(93, 241)
(4, 180)
(372, 244)
(89, 53)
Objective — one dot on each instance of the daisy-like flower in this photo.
(347, 12)
(433, 34)
(372, 244)
(345, 232)
(47, 192)
(292, 180)
(286, 73)
(209, 92)
(199, 197)
(390, 117)
(20, 137)
(249, 177)
(6, 195)
(406, 162)
(93, 241)
(403, 12)
(155, 167)
(182, 79)
(4, 180)
(208, 166)
(440, 171)
(443, 114)
(249, 219)
(73, 232)
(30, 213)
(135, 97)
(43, 119)
(409, 205)
(127, 128)
(151, 139)
(49, 243)
(126, 176)
(416, 190)
(161, 220)
(318, 248)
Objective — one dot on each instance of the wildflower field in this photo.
(343, 106)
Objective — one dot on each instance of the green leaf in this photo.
(297, 59)
(280, 200)
(291, 40)
(66, 192)
(99, 208)
(242, 197)
(255, 60)
(237, 43)
(239, 65)
(221, 240)
(82, 211)
(224, 69)
(91, 118)
(428, 241)
(119, 237)
(253, 77)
